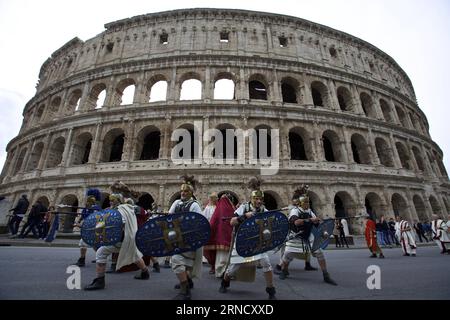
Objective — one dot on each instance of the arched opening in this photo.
(387, 113)
(55, 153)
(435, 206)
(418, 158)
(145, 201)
(270, 202)
(20, 161)
(401, 116)
(128, 95)
(113, 146)
(257, 90)
(419, 205)
(74, 101)
(262, 142)
(158, 91)
(360, 149)
(332, 147)
(403, 154)
(384, 152)
(229, 148)
(82, 149)
(186, 142)
(100, 101)
(54, 108)
(319, 94)
(224, 89)
(96, 98)
(105, 200)
(399, 206)
(297, 146)
(33, 162)
(117, 149)
(344, 99)
(67, 220)
(191, 89)
(345, 208)
(44, 201)
(289, 90)
(39, 114)
(339, 207)
(367, 105)
(148, 144)
(231, 195)
(373, 205)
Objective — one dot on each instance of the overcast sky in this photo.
(415, 33)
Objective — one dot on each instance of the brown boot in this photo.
(185, 292)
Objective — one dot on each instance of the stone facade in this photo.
(349, 124)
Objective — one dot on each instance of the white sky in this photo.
(415, 33)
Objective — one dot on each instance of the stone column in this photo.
(411, 208)
(84, 97)
(44, 154)
(412, 157)
(356, 101)
(332, 96)
(377, 106)
(110, 93)
(394, 111)
(139, 90)
(62, 108)
(346, 146)
(66, 154)
(276, 96)
(130, 141)
(372, 148)
(396, 157)
(242, 93)
(165, 151)
(307, 94)
(173, 90)
(207, 88)
(96, 145)
(318, 145)
(31, 145)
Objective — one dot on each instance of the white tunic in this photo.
(296, 245)
(209, 210)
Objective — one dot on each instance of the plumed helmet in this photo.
(255, 185)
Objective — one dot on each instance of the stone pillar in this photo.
(66, 154)
(411, 207)
(44, 154)
(207, 88)
(62, 108)
(376, 105)
(139, 90)
(356, 101)
(412, 157)
(165, 151)
(307, 94)
(346, 147)
(275, 86)
(396, 157)
(84, 97)
(110, 93)
(372, 148)
(173, 90)
(284, 141)
(130, 141)
(31, 145)
(242, 93)
(332, 96)
(318, 145)
(94, 155)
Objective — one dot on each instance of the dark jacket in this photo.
(21, 207)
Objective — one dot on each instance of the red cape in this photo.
(221, 230)
(370, 234)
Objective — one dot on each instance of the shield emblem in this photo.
(322, 234)
(173, 234)
(102, 228)
(261, 233)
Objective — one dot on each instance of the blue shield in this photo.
(102, 228)
(173, 234)
(322, 234)
(261, 233)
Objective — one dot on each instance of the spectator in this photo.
(391, 225)
(419, 231)
(385, 231)
(336, 233)
(341, 228)
(34, 220)
(18, 213)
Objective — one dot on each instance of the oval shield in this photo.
(322, 234)
(102, 228)
(173, 234)
(261, 233)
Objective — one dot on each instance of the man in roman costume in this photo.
(301, 221)
(218, 245)
(237, 263)
(404, 233)
(371, 237)
(439, 229)
(186, 265)
(92, 205)
(127, 250)
(306, 256)
(208, 254)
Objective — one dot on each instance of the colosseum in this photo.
(341, 114)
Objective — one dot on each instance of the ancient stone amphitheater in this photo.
(346, 115)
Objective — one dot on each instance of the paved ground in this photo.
(36, 271)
